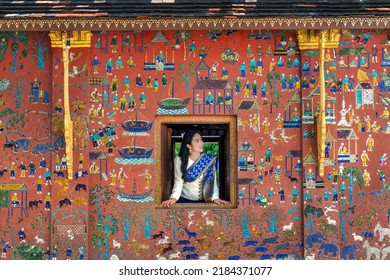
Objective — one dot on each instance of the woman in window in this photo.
(195, 174)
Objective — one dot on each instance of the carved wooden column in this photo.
(68, 124)
(321, 123)
(61, 40)
(320, 39)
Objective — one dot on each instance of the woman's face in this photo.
(197, 143)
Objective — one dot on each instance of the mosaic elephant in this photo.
(270, 240)
(314, 238)
(328, 248)
(21, 143)
(267, 257)
(348, 250)
(59, 143)
(281, 256)
(41, 148)
(383, 87)
(8, 145)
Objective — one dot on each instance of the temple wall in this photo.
(88, 212)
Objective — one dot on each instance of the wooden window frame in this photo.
(164, 157)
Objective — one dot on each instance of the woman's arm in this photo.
(178, 180)
(177, 186)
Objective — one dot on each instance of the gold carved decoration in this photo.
(321, 121)
(79, 39)
(309, 38)
(319, 39)
(67, 120)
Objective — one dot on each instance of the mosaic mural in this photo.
(126, 78)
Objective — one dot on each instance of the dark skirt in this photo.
(185, 200)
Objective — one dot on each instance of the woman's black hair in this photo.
(184, 153)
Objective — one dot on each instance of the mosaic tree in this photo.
(345, 213)
(355, 176)
(41, 49)
(41, 220)
(224, 218)
(4, 37)
(312, 212)
(148, 224)
(247, 218)
(185, 71)
(273, 215)
(275, 96)
(99, 194)
(17, 89)
(105, 226)
(184, 36)
(14, 121)
(127, 218)
(9, 231)
(245, 229)
(15, 38)
(4, 198)
(110, 228)
(97, 242)
(174, 221)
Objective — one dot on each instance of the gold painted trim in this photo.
(290, 23)
(231, 120)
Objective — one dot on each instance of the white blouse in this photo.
(190, 190)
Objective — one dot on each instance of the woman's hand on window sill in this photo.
(221, 202)
(169, 202)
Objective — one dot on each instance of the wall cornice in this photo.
(291, 23)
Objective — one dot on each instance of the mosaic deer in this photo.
(372, 251)
(366, 218)
(139, 248)
(385, 252)
(382, 231)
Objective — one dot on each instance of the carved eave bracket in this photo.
(78, 39)
(310, 39)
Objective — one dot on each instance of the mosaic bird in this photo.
(77, 71)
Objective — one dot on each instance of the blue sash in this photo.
(206, 165)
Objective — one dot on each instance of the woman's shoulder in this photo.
(209, 157)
